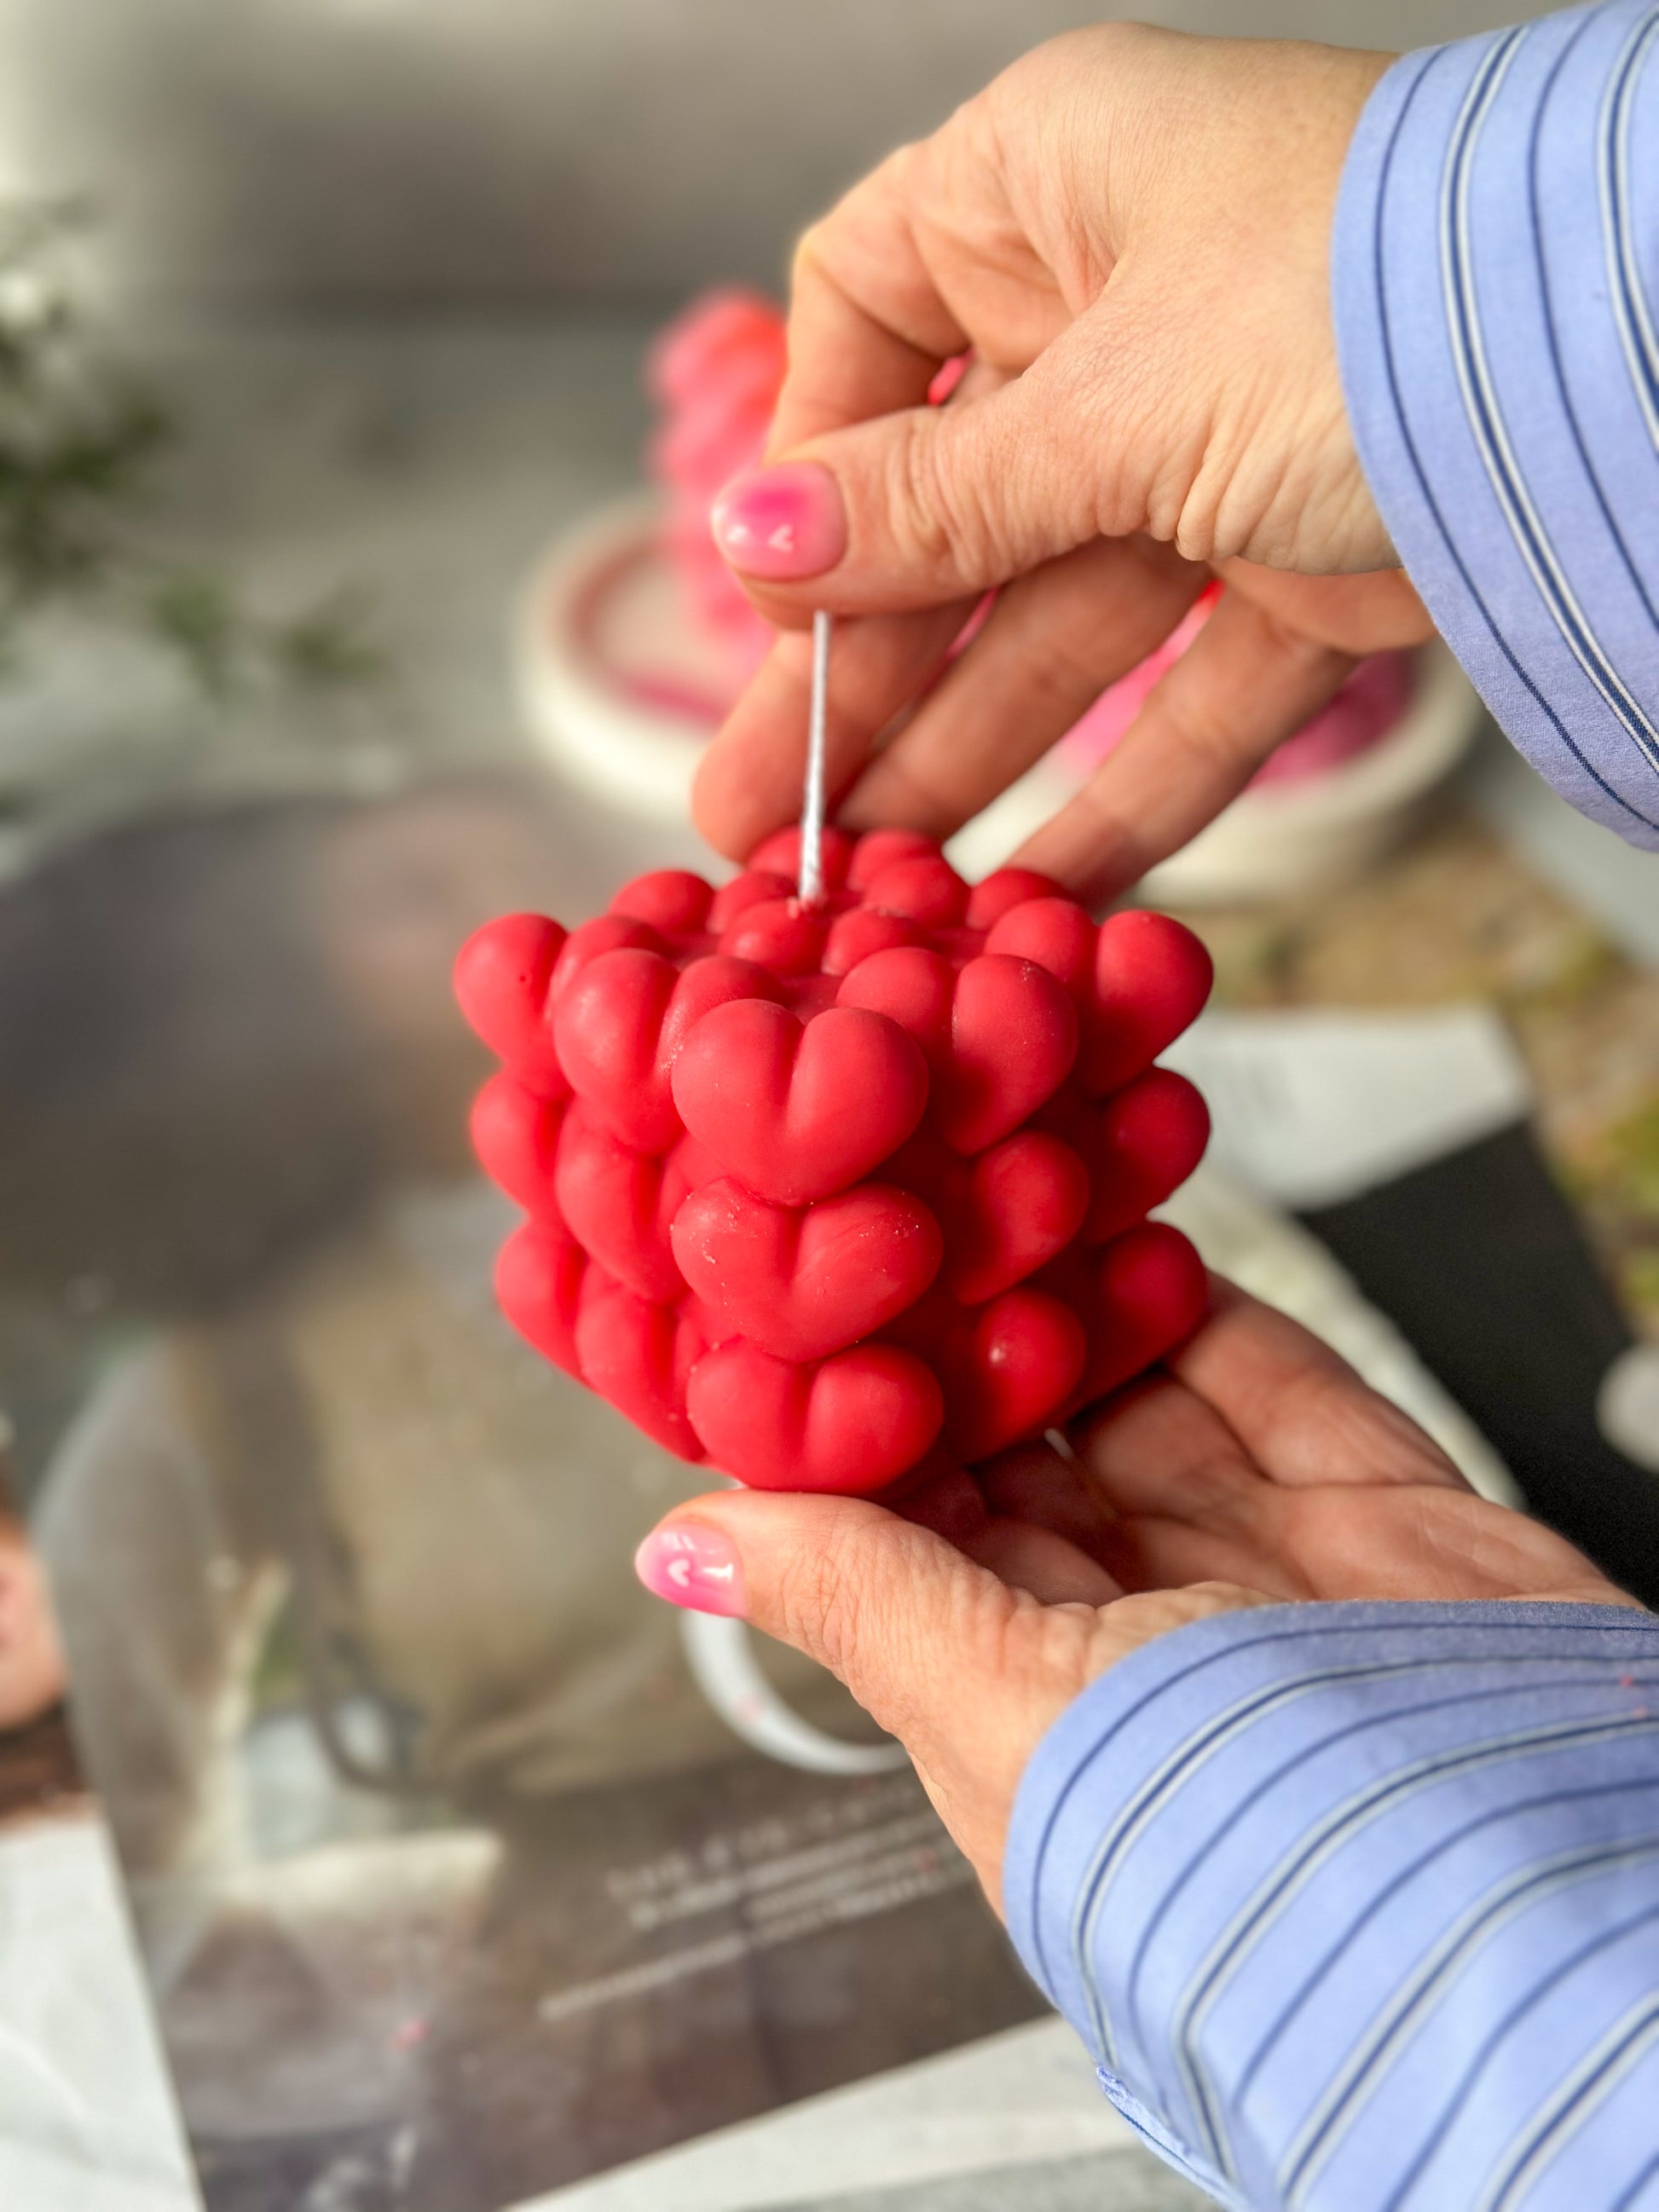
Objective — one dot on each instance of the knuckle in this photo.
(908, 793)
(1204, 737)
(1120, 852)
(1063, 674)
(933, 511)
(1194, 526)
(918, 505)
(1300, 648)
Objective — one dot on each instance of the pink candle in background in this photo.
(1367, 707)
(715, 373)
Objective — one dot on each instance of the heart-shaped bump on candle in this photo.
(877, 851)
(1057, 935)
(1013, 1210)
(754, 887)
(1146, 1293)
(1000, 893)
(857, 934)
(999, 1035)
(516, 1133)
(639, 1356)
(503, 979)
(923, 887)
(780, 855)
(1009, 1371)
(928, 1113)
(779, 934)
(1013, 1038)
(1144, 1143)
(804, 1282)
(1152, 978)
(794, 1109)
(672, 900)
(539, 1284)
(589, 940)
(621, 1203)
(623, 1023)
(853, 1422)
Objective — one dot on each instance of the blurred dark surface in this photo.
(227, 1035)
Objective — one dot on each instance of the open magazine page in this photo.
(451, 1877)
(88, 2121)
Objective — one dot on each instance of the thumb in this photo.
(900, 1615)
(929, 504)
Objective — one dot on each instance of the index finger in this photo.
(868, 327)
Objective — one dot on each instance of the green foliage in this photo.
(226, 649)
(331, 644)
(1634, 1145)
(80, 439)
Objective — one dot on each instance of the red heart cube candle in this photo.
(818, 1195)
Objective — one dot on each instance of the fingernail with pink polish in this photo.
(780, 525)
(690, 1564)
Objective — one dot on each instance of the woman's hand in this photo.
(1258, 1470)
(1130, 230)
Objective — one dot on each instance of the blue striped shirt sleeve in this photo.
(1357, 1906)
(1496, 287)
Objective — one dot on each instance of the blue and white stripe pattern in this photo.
(1496, 279)
(1357, 1906)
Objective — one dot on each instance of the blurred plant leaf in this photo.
(331, 645)
(79, 440)
(197, 616)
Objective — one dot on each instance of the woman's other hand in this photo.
(1258, 1469)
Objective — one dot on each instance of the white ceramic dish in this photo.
(602, 648)
(599, 624)
(1280, 837)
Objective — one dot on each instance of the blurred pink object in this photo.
(1366, 709)
(716, 373)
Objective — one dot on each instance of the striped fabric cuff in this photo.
(1496, 287)
(1357, 1905)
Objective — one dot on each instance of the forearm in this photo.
(1358, 1905)
(1496, 296)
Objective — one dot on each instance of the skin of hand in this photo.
(31, 1677)
(1130, 232)
(1255, 1469)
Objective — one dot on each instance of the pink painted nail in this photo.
(781, 524)
(690, 1564)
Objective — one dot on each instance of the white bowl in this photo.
(602, 646)
(1279, 837)
(599, 622)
